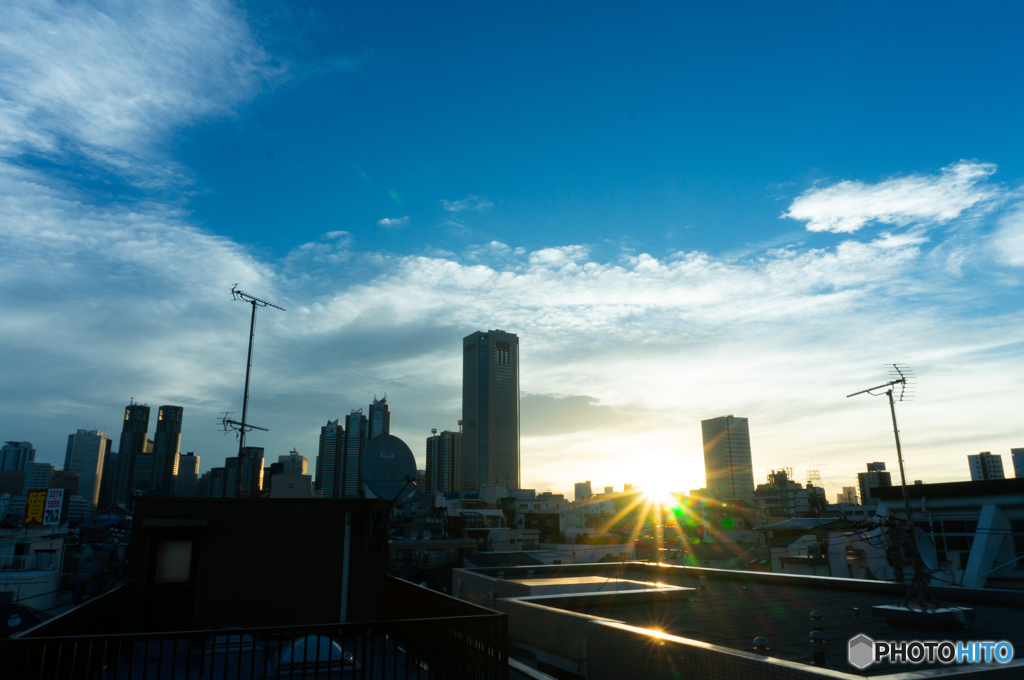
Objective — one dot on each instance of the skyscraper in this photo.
(728, 469)
(251, 476)
(490, 410)
(14, 456)
(166, 449)
(379, 418)
(338, 470)
(986, 466)
(332, 442)
(293, 464)
(187, 479)
(350, 474)
(133, 444)
(443, 454)
(86, 454)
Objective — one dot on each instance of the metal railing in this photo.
(459, 641)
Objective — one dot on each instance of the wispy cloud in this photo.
(470, 202)
(107, 83)
(847, 206)
(393, 222)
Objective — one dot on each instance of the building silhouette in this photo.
(293, 464)
(379, 418)
(875, 477)
(187, 479)
(583, 491)
(1017, 456)
(251, 473)
(490, 410)
(986, 466)
(166, 449)
(86, 454)
(132, 445)
(14, 456)
(338, 472)
(444, 451)
(728, 471)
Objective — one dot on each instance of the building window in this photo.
(173, 561)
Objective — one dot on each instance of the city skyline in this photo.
(682, 211)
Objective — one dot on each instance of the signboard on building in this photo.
(45, 506)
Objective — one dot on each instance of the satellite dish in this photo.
(875, 557)
(925, 549)
(389, 469)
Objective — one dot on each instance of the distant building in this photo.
(490, 410)
(443, 454)
(985, 466)
(37, 476)
(379, 418)
(849, 495)
(15, 456)
(232, 476)
(133, 444)
(583, 491)
(294, 463)
(728, 468)
(782, 497)
(87, 454)
(166, 449)
(1017, 456)
(251, 474)
(187, 479)
(338, 473)
(65, 479)
(875, 477)
(291, 486)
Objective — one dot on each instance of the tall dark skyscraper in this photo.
(379, 420)
(490, 410)
(338, 473)
(166, 449)
(728, 468)
(251, 475)
(133, 445)
(443, 455)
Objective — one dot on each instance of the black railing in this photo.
(458, 647)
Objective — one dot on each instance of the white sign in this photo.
(54, 505)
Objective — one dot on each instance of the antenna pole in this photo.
(899, 456)
(248, 370)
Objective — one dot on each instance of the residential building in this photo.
(14, 456)
(166, 449)
(985, 466)
(848, 496)
(444, 451)
(490, 410)
(133, 444)
(1017, 456)
(875, 477)
(728, 469)
(86, 454)
(782, 497)
(583, 491)
(188, 475)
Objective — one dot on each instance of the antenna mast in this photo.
(243, 427)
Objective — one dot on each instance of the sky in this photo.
(683, 210)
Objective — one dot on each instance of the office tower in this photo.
(1017, 456)
(187, 479)
(14, 456)
(293, 463)
(65, 479)
(108, 481)
(142, 474)
(379, 419)
(166, 449)
(986, 466)
(583, 491)
(728, 469)
(251, 475)
(37, 476)
(133, 444)
(218, 482)
(86, 454)
(443, 454)
(232, 476)
(875, 477)
(332, 442)
(351, 479)
(490, 410)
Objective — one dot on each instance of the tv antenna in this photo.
(242, 427)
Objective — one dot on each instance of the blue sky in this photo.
(683, 211)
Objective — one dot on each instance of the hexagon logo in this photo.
(861, 652)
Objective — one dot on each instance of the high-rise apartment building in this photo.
(86, 454)
(443, 454)
(728, 469)
(133, 444)
(14, 456)
(490, 410)
(985, 466)
(187, 479)
(875, 477)
(1017, 456)
(166, 449)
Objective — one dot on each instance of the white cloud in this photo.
(1008, 240)
(393, 222)
(470, 202)
(107, 81)
(847, 206)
